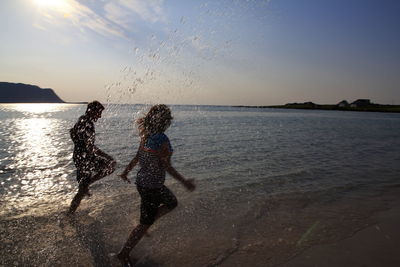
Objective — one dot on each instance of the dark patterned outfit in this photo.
(150, 179)
(85, 160)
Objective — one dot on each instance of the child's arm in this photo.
(166, 160)
(188, 183)
(131, 165)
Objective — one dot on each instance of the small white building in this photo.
(360, 103)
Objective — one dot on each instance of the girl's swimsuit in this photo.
(152, 173)
(150, 179)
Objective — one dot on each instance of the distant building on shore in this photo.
(359, 103)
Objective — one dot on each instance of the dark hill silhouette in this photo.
(26, 93)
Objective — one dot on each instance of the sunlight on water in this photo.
(36, 152)
(35, 144)
(37, 108)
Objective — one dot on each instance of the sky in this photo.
(220, 52)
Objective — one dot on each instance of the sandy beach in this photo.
(376, 245)
(273, 232)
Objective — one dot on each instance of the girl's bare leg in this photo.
(103, 173)
(82, 191)
(133, 239)
(137, 234)
(162, 210)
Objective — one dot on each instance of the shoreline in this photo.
(373, 108)
(385, 109)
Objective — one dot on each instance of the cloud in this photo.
(85, 17)
(148, 10)
(118, 15)
(109, 18)
(126, 13)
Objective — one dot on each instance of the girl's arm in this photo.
(131, 165)
(188, 183)
(165, 155)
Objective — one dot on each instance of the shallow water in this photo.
(227, 149)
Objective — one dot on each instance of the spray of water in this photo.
(170, 66)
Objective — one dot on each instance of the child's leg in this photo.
(105, 168)
(139, 232)
(133, 239)
(162, 210)
(149, 212)
(83, 177)
(168, 200)
(82, 191)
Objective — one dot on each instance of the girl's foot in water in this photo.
(88, 194)
(125, 260)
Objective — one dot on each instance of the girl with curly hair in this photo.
(154, 157)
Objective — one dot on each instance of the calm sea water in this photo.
(235, 154)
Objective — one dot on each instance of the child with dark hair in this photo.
(154, 157)
(91, 162)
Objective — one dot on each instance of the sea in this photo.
(263, 176)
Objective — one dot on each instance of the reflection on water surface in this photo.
(31, 109)
(35, 156)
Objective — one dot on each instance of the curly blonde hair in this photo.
(157, 120)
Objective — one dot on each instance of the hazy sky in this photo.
(204, 52)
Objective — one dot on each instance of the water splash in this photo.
(171, 65)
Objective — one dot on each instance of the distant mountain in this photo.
(26, 93)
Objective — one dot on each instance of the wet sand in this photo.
(357, 229)
(376, 245)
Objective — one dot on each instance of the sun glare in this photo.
(37, 108)
(53, 4)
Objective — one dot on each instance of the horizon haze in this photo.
(224, 52)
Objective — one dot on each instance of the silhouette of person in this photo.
(91, 163)
(154, 157)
